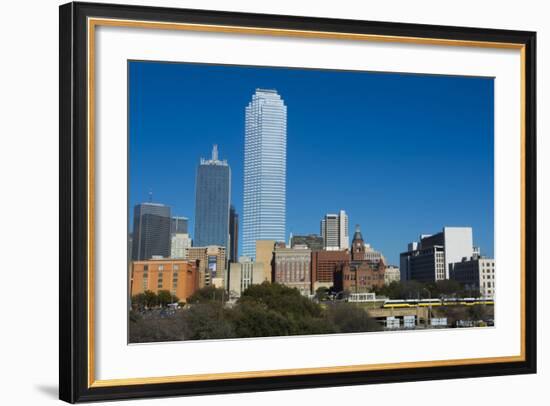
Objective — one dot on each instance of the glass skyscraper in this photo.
(212, 199)
(151, 236)
(264, 211)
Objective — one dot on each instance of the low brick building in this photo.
(359, 277)
(324, 264)
(179, 277)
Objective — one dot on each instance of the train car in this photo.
(467, 301)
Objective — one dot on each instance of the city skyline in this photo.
(362, 192)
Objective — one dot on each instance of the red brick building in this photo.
(324, 264)
(360, 276)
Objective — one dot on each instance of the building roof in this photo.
(357, 235)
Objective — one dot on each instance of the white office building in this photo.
(391, 274)
(179, 245)
(432, 257)
(264, 211)
(334, 230)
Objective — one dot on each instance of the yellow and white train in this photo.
(466, 301)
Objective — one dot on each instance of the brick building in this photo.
(360, 276)
(324, 264)
(212, 264)
(179, 277)
(292, 267)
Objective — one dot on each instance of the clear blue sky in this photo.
(403, 154)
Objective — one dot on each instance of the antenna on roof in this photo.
(150, 196)
(215, 152)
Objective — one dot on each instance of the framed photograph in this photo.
(258, 202)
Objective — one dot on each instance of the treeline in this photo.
(418, 290)
(150, 299)
(264, 310)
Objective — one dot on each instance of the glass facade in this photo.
(151, 236)
(212, 198)
(233, 254)
(179, 225)
(264, 206)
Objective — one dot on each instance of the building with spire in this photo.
(361, 251)
(357, 245)
(264, 205)
(212, 202)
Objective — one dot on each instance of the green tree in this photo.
(321, 293)
(203, 321)
(283, 299)
(208, 294)
(256, 320)
(165, 298)
(139, 301)
(151, 299)
(446, 288)
(350, 318)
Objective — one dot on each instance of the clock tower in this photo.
(357, 245)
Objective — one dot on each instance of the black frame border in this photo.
(73, 289)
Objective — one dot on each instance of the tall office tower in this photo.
(264, 213)
(179, 225)
(212, 197)
(233, 235)
(151, 236)
(334, 230)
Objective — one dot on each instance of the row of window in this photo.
(176, 267)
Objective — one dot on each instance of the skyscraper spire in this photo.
(150, 196)
(215, 152)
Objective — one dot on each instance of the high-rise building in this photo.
(151, 235)
(179, 245)
(264, 211)
(212, 199)
(313, 241)
(233, 235)
(334, 230)
(431, 258)
(179, 225)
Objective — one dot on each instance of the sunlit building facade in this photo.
(264, 211)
